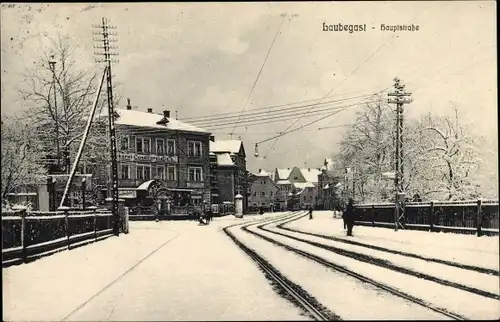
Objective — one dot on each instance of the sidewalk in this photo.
(160, 271)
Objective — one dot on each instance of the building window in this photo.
(147, 173)
(194, 148)
(147, 145)
(138, 145)
(263, 193)
(160, 146)
(271, 193)
(160, 172)
(170, 147)
(171, 173)
(125, 171)
(195, 174)
(124, 143)
(143, 172)
(139, 172)
(255, 194)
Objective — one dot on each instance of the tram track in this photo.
(391, 251)
(385, 264)
(344, 270)
(289, 290)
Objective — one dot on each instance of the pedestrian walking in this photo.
(310, 212)
(349, 216)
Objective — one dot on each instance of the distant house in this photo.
(263, 191)
(229, 160)
(329, 186)
(284, 185)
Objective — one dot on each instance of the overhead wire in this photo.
(261, 68)
(347, 77)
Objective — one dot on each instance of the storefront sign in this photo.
(127, 193)
(147, 157)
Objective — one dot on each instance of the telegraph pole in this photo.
(111, 113)
(400, 97)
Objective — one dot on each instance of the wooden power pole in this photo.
(399, 97)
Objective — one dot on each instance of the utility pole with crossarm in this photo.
(111, 114)
(399, 97)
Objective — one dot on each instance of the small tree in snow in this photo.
(21, 156)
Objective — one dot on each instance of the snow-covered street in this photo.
(160, 271)
(179, 270)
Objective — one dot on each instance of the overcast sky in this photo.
(199, 59)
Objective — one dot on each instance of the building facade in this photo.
(155, 147)
(229, 159)
(263, 191)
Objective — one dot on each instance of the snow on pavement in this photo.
(465, 249)
(192, 273)
(343, 295)
(469, 278)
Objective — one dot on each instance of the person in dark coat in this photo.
(349, 216)
(310, 212)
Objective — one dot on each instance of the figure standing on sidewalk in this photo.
(349, 216)
(310, 212)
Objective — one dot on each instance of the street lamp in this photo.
(52, 65)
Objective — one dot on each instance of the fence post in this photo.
(479, 218)
(373, 215)
(66, 221)
(94, 209)
(22, 213)
(125, 226)
(431, 217)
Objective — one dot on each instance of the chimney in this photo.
(129, 107)
(166, 113)
(150, 110)
(212, 138)
(309, 169)
(260, 170)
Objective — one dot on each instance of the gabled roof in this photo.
(146, 119)
(224, 159)
(302, 185)
(283, 173)
(263, 173)
(228, 146)
(310, 174)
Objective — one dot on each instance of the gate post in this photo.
(431, 217)
(373, 215)
(22, 213)
(125, 222)
(479, 218)
(66, 221)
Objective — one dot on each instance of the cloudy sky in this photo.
(202, 59)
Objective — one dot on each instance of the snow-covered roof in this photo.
(263, 173)
(231, 146)
(302, 185)
(283, 182)
(301, 191)
(146, 119)
(327, 186)
(311, 175)
(224, 159)
(284, 173)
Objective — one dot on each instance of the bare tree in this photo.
(367, 148)
(21, 156)
(59, 112)
(453, 156)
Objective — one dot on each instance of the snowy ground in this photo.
(179, 270)
(444, 296)
(466, 249)
(160, 271)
